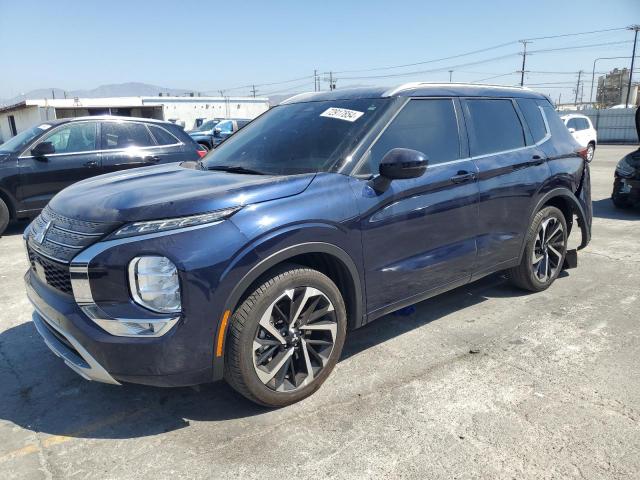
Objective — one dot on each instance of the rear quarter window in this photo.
(533, 117)
(162, 136)
(556, 125)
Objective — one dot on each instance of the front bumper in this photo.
(96, 355)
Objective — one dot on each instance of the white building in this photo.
(187, 111)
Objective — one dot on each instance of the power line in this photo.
(546, 50)
(474, 52)
(575, 34)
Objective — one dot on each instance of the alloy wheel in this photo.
(548, 249)
(590, 152)
(294, 339)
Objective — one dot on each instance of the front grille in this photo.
(54, 274)
(54, 240)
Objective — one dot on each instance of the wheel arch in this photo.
(565, 200)
(330, 259)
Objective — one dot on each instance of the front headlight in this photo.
(624, 169)
(154, 284)
(152, 226)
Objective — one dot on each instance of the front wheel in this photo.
(544, 251)
(286, 337)
(591, 151)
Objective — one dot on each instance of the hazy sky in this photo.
(207, 46)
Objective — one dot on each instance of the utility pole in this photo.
(53, 94)
(332, 85)
(316, 81)
(577, 89)
(253, 91)
(635, 28)
(450, 75)
(524, 60)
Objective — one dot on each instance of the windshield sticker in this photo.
(44, 126)
(342, 114)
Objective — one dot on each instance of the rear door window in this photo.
(429, 126)
(533, 117)
(495, 126)
(117, 135)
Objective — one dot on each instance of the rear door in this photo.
(126, 144)
(169, 147)
(420, 234)
(76, 157)
(511, 170)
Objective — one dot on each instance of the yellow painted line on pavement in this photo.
(58, 439)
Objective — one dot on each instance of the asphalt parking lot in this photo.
(551, 390)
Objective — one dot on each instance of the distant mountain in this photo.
(131, 89)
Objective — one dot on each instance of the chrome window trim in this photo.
(365, 155)
(102, 150)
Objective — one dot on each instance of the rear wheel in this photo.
(544, 251)
(286, 337)
(4, 216)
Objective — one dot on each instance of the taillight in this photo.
(202, 153)
(583, 153)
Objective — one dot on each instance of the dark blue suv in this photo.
(325, 213)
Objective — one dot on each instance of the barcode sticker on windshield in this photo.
(342, 114)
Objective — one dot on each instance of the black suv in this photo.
(39, 162)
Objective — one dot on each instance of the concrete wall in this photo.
(25, 118)
(187, 110)
(614, 125)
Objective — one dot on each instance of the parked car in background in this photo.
(326, 212)
(626, 181)
(581, 128)
(39, 162)
(213, 132)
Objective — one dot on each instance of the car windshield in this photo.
(298, 138)
(21, 140)
(206, 126)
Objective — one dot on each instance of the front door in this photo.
(419, 236)
(75, 158)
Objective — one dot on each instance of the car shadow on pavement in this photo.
(605, 208)
(40, 394)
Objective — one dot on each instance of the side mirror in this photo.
(43, 149)
(216, 132)
(400, 164)
(572, 130)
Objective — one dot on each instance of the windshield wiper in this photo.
(235, 169)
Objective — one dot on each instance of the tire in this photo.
(591, 151)
(269, 363)
(4, 216)
(620, 200)
(537, 273)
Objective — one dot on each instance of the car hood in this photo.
(166, 191)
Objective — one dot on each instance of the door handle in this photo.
(91, 164)
(463, 176)
(152, 159)
(536, 160)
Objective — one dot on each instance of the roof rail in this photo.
(412, 85)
